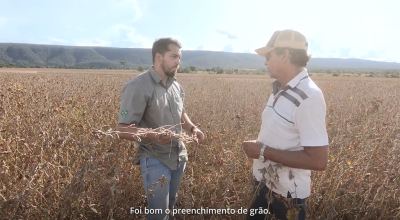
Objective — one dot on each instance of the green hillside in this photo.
(33, 55)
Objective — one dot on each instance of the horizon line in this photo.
(103, 46)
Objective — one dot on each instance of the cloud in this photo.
(248, 51)
(230, 36)
(139, 39)
(94, 42)
(374, 55)
(200, 47)
(127, 33)
(228, 48)
(57, 40)
(134, 4)
(344, 52)
(314, 45)
(100, 42)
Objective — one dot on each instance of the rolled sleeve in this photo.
(310, 122)
(133, 104)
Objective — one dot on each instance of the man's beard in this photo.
(168, 73)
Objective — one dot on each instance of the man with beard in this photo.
(154, 99)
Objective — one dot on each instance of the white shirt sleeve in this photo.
(310, 122)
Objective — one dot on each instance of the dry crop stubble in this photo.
(52, 164)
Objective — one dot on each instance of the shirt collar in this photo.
(156, 77)
(292, 83)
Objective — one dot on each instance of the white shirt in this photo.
(294, 117)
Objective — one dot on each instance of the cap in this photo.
(284, 38)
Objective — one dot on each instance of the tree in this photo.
(210, 70)
(229, 71)
(184, 70)
(122, 64)
(193, 69)
(140, 69)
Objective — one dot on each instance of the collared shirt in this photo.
(293, 118)
(147, 103)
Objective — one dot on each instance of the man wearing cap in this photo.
(154, 99)
(293, 139)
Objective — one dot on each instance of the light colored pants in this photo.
(163, 197)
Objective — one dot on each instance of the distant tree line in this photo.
(218, 70)
(358, 72)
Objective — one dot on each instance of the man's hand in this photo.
(252, 148)
(187, 125)
(199, 135)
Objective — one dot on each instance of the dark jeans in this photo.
(276, 208)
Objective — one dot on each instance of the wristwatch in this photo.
(261, 157)
(192, 129)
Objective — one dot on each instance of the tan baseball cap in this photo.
(284, 38)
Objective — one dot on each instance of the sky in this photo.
(367, 29)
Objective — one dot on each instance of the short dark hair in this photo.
(161, 46)
(298, 57)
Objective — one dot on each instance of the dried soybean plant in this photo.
(272, 171)
(143, 132)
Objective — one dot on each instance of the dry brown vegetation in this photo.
(53, 166)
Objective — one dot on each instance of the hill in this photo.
(35, 55)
